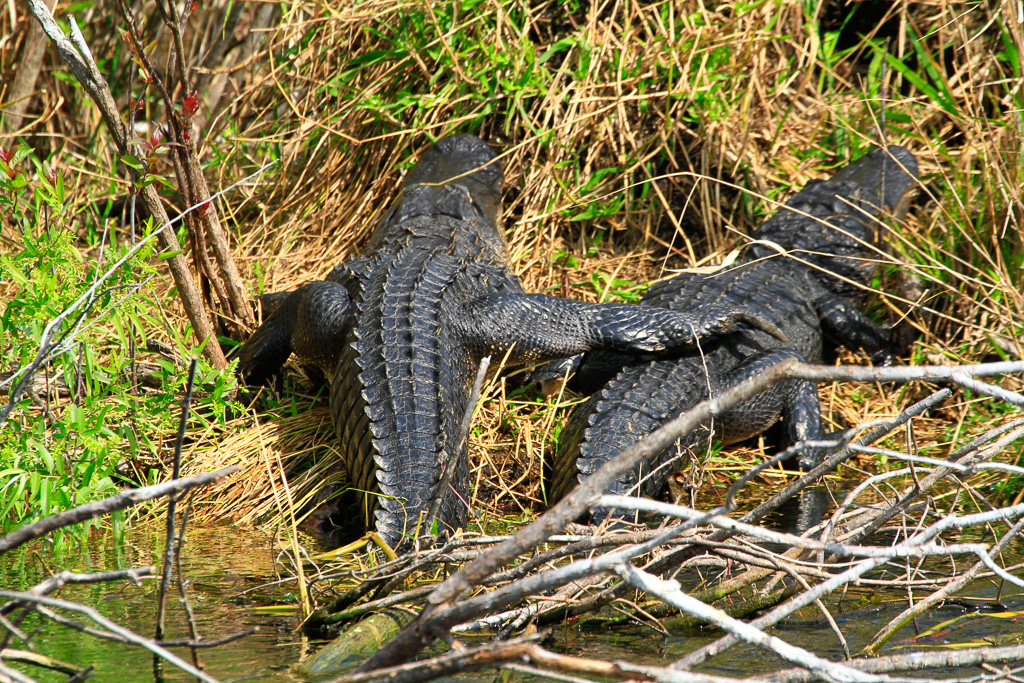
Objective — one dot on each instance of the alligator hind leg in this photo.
(798, 404)
(537, 327)
(802, 416)
(312, 322)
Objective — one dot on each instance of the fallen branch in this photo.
(444, 608)
(54, 583)
(36, 659)
(670, 592)
(521, 651)
(112, 627)
(913, 661)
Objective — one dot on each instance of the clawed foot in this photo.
(762, 324)
(551, 376)
(884, 357)
(726, 322)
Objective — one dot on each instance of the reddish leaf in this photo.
(126, 37)
(190, 105)
(5, 159)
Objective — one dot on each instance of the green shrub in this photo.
(93, 431)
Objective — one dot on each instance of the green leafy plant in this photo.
(87, 429)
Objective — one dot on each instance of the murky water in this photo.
(641, 644)
(229, 573)
(233, 586)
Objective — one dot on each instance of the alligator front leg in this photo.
(311, 322)
(537, 327)
(796, 401)
(845, 324)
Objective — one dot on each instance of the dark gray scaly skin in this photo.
(400, 332)
(804, 300)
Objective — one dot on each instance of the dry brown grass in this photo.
(706, 115)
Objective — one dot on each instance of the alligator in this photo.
(401, 331)
(805, 272)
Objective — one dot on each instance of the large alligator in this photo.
(806, 271)
(401, 331)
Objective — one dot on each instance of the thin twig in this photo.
(108, 505)
(112, 627)
(209, 642)
(452, 462)
(172, 500)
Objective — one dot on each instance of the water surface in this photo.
(235, 583)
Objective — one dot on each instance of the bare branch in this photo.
(440, 614)
(112, 627)
(913, 661)
(76, 55)
(671, 592)
(172, 500)
(107, 505)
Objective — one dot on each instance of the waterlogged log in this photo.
(350, 648)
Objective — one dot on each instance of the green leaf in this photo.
(44, 497)
(920, 83)
(560, 46)
(12, 271)
(20, 154)
(131, 161)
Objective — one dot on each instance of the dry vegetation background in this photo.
(637, 138)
